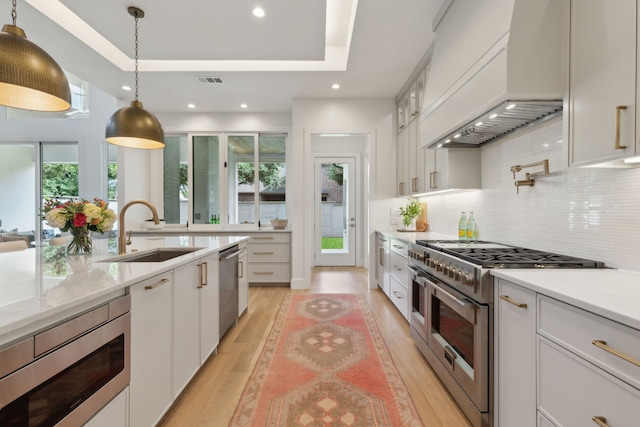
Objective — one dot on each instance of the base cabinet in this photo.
(243, 281)
(114, 414)
(151, 345)
(269, 258)
(515, 363)
(560, 365)
(382, 261)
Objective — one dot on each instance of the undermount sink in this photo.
(153, 255)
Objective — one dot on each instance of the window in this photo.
(221, 175)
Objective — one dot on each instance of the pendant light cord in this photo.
(14, 14)
(136, 67)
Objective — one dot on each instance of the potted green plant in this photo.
(410, 212)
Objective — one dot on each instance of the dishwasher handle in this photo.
(225, 257)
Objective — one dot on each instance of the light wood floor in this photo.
(211, 397)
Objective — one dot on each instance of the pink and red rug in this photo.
(325, 363)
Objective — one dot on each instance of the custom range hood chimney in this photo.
(496, 68)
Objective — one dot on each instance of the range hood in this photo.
(496, 68)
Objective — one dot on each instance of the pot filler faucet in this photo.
(122, 241)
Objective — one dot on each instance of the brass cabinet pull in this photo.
(263, 272)
(401, 188)
(618, 146)
(603, 345)
(433, 179)
(263, 253)
(241, 269)
(601, 421)
(263, 238)
(510, 301)
(206, 274)
(382, 257)
(414, 184)
(200, 280)
(155, 285)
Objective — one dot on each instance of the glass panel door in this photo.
(206, 179)
(19, 190)
(335, 211)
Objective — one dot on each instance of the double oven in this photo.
(451, 319)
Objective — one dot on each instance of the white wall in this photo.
(363, 116)
(586, 212)
(89, 133)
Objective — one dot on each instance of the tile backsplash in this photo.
(586, 212)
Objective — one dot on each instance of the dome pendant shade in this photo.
(135, 127)
(29, 78)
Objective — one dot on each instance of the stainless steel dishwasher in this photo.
(228, 288)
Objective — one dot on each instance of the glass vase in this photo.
(81, 241)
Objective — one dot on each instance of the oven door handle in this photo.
(466, 309)
(418, 276)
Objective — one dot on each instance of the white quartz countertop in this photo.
(42, 284)
(611, 293)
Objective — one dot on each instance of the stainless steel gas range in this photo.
(452, 311)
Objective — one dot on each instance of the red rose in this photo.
(79, 219)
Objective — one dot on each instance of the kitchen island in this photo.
(41, 286)
(152, 322)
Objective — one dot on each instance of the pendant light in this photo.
(134, 126)
(29, 78)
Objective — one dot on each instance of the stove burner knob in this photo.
(467, 279)
(456, 275)
(452, 272)
(439, 266)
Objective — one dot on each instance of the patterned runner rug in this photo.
(325, 364)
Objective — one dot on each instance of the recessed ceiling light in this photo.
(259, 12)
(457, 135)
(493, 116)
(447, 141)
(191, 106)
(510, 106)
(335, 86)
(243, 105)
(125, 87)
(479, 124)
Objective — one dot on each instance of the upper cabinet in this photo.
(603, 55)
(411, 159)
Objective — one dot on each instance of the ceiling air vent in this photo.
(214, 80)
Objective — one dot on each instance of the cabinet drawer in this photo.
(398, 295)
(398, 268)
(383, 240)
(269, 272)
(400, 247)
(572, 391)
(577, 329)
(269, 253)
(269, 237)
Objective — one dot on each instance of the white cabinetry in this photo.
(382, 261)
(602, 83)
(195, 324)
(151, 325)
(269, 258)
(243, 280)
(586, 366)
(410, 159)
(452, 168)
(399, 276)
(114, 414)
(516, 355)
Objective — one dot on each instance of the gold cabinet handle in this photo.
(263, 238)
(414, 184)
(603, 345)
(155, 285)
(382, 257)
(206, 274)
(263, 272)
(263, 253)
(618, 109)
(401, 189)
(601, 421)
(433, 179)
(241, 269)
(510, 301)
(200, 279)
